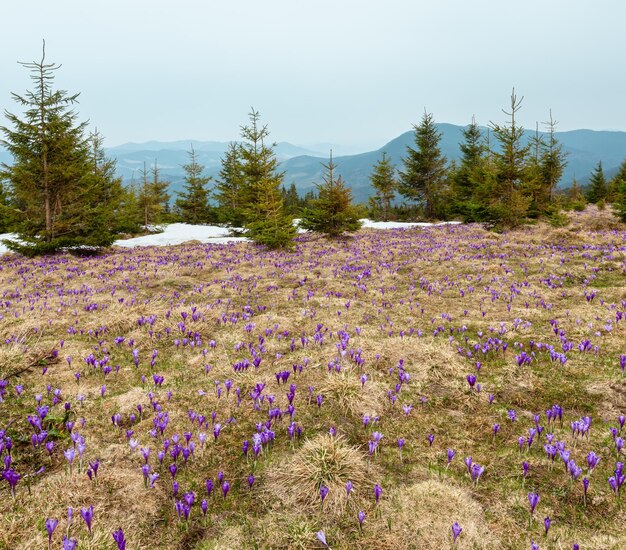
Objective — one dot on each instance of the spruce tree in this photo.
(291, 199)
(52, 181)
(532, 184)
(332, 212)
(153, 198)
(129, 218)
(553, 161)
(424, 167)
(472, 157)
(259, 196)
(509, 204)
(384, 182)
(269, 223)
(597, 185)
(103, 191)
(193, 202)
(228, 189)
(614, 194)
(471, 186)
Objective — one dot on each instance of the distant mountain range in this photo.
(303, 166)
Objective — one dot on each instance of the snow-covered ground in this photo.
(177, 233)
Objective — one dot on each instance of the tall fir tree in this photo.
(130, 217)
(509, 204)
(291, 199)
(597, 185)
(332, 212)
(472, 157)
(383, 180)
(532, 186)
(228, 188)
(472, 182)
(193, 202)
(105, 190)
(553, 162)
(614, 194)
(259, 196)
(424, 167)
(153, 197)
(53, 186)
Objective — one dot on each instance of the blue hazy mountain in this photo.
(303, 165)
(584, 149)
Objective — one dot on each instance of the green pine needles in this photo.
(63, 193)
(332, 213)
(258, 192)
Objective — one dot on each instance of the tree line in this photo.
(501, 178)
(61, 192)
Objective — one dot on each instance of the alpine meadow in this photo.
(237, 359)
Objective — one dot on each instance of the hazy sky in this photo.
(343, 71)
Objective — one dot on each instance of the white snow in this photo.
(177, 233)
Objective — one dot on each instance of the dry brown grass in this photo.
(411, 271)
(344, 391)
(322, 461)
(421, 516)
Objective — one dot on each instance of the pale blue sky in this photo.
(344, 71)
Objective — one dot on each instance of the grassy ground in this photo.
(386, 325)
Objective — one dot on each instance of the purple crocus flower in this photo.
(378, 490)
(321, 536)
(87, 514)
(118, 537)
(70, 455)
(533, 499)
(456, 531)
(361, 517)
(477, 471)
(69, 544)
(546, 524)
(225, 488)
(431, 438)
(51, 525)
(348, 487)
(323, 492)
(592, 461)
(451, 454)
(11, 477)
